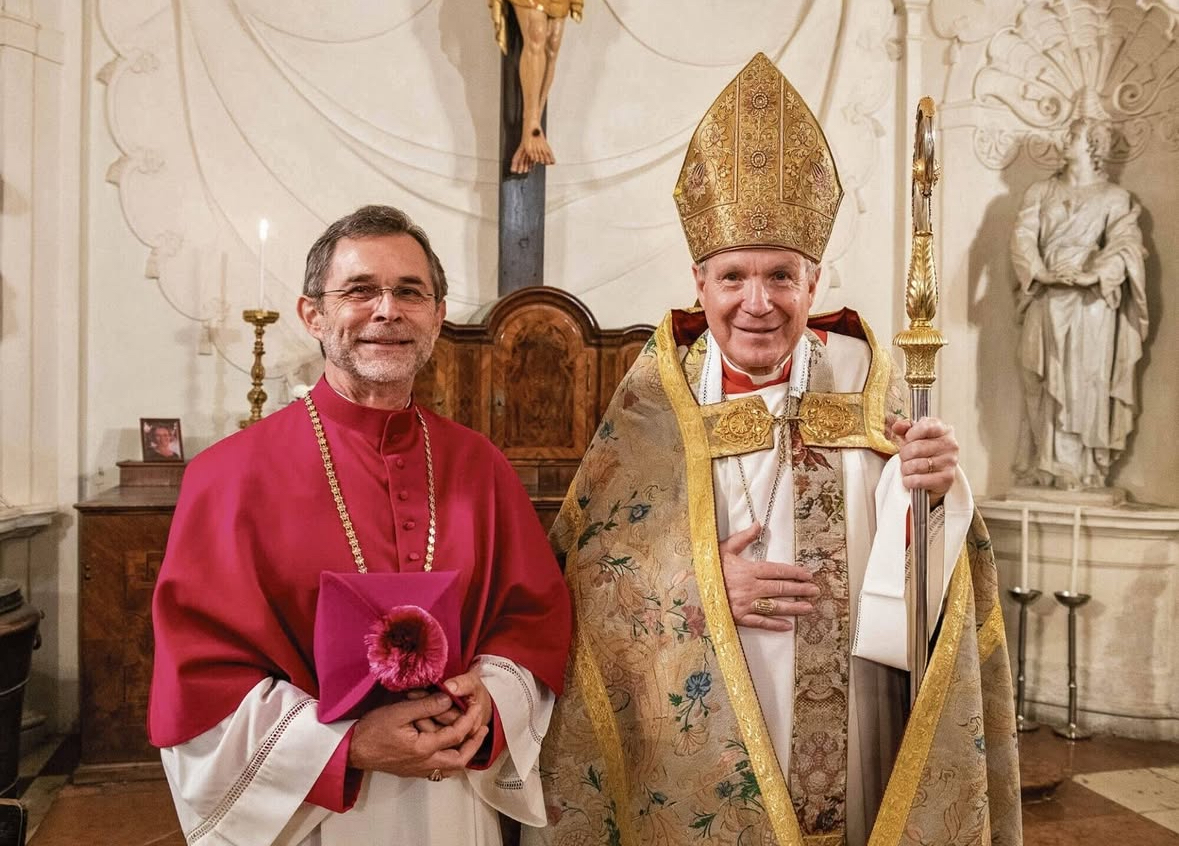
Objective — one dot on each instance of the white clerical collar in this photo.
(710, 389)
(764, 378)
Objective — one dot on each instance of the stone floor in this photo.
(1111, 791)
(1091, 793)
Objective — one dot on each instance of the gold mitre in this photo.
(758, 172)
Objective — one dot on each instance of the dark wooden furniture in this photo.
(121, 537)
(535, 377)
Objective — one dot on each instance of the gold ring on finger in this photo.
(929, 461)
(435, 776)
(763, 606)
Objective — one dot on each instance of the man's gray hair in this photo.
(367, 222)
(702, 266)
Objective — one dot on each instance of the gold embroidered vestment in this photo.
(659, 737)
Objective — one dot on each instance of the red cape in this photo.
(256, 524)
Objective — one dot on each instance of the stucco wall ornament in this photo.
(1037, 69)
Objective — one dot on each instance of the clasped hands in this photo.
(762, 594)
(425, 732)
(1111, 292)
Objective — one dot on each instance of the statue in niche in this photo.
(1080, 265)
(542, 24)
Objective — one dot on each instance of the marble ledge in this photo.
(22, 521)
(1131, 519)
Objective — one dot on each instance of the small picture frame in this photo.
(161, 439)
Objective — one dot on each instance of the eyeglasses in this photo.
(405, 296)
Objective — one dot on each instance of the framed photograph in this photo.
(161, 439)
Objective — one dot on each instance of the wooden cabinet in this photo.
(535, 376)
(121, 538)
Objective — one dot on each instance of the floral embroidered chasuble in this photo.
(659, 738)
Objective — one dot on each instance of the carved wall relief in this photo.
(1039, 68)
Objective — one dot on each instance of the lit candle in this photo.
(263, 231)
(1023, 550)
(1072, 581)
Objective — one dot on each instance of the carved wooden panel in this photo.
(121, 541)
(541, 379)
(536, 377)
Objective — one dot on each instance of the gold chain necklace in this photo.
(334, 484)
(779, 425)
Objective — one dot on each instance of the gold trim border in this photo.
(876, 393)
(710, 582)
(931, 700)
(869, 405)
(992, 635)
(597, 700)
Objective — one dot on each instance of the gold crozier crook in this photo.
(920, 343)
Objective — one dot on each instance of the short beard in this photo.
(380, 372)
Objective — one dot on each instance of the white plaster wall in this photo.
(40, 42)
(208, 116)
(1127, 662)
(180, 124)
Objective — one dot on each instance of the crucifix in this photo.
(529, 38)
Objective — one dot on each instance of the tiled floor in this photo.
(1114, 790)
(1092, 793)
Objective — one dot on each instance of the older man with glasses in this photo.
(251, 750)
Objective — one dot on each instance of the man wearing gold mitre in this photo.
(735, 542)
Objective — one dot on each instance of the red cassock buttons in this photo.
(403, 495)
(413, 556)
(408, 524)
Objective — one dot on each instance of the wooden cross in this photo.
(521, 198)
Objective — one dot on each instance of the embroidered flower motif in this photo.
(698, 685)
(406, 649)
(801, 136)
(638, 511)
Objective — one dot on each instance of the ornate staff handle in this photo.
(920, 343)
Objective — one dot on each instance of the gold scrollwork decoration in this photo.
(824, 419)
(744, 427)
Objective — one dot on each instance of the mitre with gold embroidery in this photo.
(758, 172)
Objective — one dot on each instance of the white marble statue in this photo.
(1079, 263)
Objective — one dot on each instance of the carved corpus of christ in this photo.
(542, 25)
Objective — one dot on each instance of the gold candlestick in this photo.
(257, 396)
